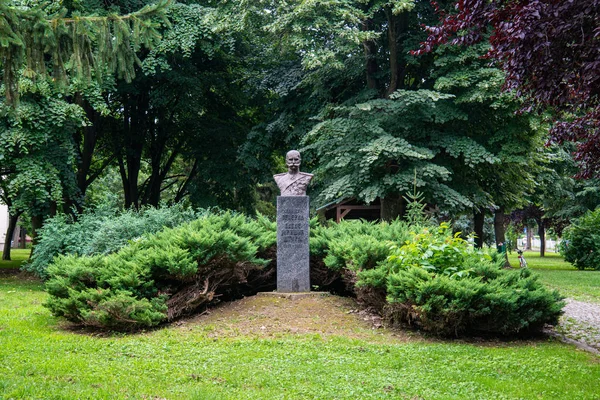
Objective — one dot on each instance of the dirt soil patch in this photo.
(6, 272)
(17, 274)
(266, 316)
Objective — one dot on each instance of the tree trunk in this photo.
(12, 224)
(159, 174)
(499, 226)
(392, 207)
(478, 221)
(135, 130)
(134, 163)
(500, 232)
(529, 238)
(542, 233)
(183, 188)
(88, 138)
(393, 46)
(370, 51)
(22, 238)
(36, 223)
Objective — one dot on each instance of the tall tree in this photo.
(382, 114)
(549, 51)
(49, 56)
(189, 109)
(36, 150)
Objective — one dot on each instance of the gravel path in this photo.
(581, 324)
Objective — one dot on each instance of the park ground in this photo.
(267, 347)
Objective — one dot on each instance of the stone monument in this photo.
(293, 266)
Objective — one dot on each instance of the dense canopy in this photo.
(138, 103)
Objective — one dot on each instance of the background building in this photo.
(3, 224)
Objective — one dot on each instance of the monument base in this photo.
(293, 296)
(293, 263)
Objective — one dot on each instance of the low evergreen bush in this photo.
(101, 231)
(581, 241)
(162, 276)
(339, 251)
(439, 283)
(417, 276)
(356, 244)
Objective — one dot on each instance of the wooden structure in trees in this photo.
(351, 209)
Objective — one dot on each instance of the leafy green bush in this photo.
(101, 231)
(439, 283)
(162, 276)
(581, 241)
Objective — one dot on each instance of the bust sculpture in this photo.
(293, 182)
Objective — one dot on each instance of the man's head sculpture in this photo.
(292, 160)
(293, 182)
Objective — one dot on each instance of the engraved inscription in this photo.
(292, 227)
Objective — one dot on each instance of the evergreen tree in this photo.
(41, 40)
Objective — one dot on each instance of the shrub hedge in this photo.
(101, 231)
(441, 284)
(414, 275)
(161, 276)
(581, 241)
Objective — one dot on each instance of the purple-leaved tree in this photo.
(550, 51)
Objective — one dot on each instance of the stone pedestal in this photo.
(293, 266)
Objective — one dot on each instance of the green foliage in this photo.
(160, 276)
(509, 142)
(415, 207)
(356, 245)
(438, 253)
(36, 147)
(434, 280)
(440, 283)
(372, 149)
(581, 241)
(41, 41)
(491, 300)
(101, 231)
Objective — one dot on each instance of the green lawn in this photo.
(39, 359)
(18, 256)
(559, 274)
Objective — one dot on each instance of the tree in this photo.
(49, 56)
(381, 114)
(187, 113)
(180, 103)
(549, 51)
(373, 149)
(348, 53)
(499, 181)
(13, 218)
(557, 198)
(37, 152)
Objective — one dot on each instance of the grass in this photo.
(40, 359)
(18, 257)
(559, 274)
(223, 357)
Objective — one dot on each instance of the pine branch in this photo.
(83, 47)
